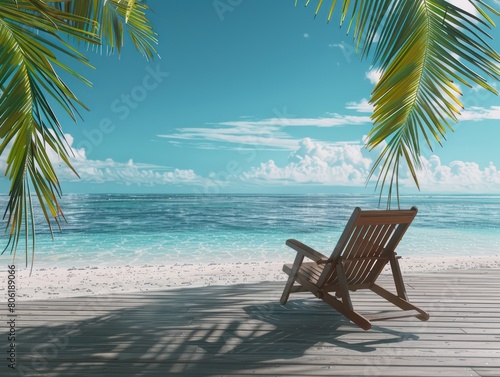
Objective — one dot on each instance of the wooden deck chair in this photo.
(367, 244)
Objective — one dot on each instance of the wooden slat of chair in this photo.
(352, 248)
(311, 270)
(308, 270)
(384, 233)
(359, 269)
(392, 243)
(381, 234)
(329, 272)
(389, 217)
(364, 261)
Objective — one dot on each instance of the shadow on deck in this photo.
(243, 330)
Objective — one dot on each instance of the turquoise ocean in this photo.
(120, 230)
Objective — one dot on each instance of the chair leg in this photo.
(352, 315)
(344, 289)
(399, 302)
(291, 279)
(287, 290)
(344, 307)
(398, 277)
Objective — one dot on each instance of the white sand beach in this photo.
(73, 282)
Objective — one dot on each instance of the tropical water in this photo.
(105, 230)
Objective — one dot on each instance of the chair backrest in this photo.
(366, 245)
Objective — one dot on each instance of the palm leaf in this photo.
(27, 120)
(423, 48)
(31, 34)
(113, 18)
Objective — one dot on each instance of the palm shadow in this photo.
(215, 330)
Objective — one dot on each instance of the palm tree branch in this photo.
(30, 35)
(113, 18)
(423, 48)
(429, 82)
(26, 121)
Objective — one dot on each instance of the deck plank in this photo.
(242, 330)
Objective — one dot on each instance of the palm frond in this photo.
(113, 18)
(424, 48)
(31, 36)
(27, 121)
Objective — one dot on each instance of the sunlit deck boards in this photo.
(242, 330)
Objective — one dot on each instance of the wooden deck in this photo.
(242, 330)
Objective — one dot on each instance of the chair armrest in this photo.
(305, 250)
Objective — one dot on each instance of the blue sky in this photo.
(253, 96)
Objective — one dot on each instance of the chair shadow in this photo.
(215, 330)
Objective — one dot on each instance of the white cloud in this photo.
(265, 133)
(240, 133)
(311, 162)
(374, 75)
(3, 159)
(465, 5)
(316, 163)
(334, 120)
(362, 107)
(457, 176)
(340, 45)
(477, 113)
(128, 173)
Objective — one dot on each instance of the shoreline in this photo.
(54, 283)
